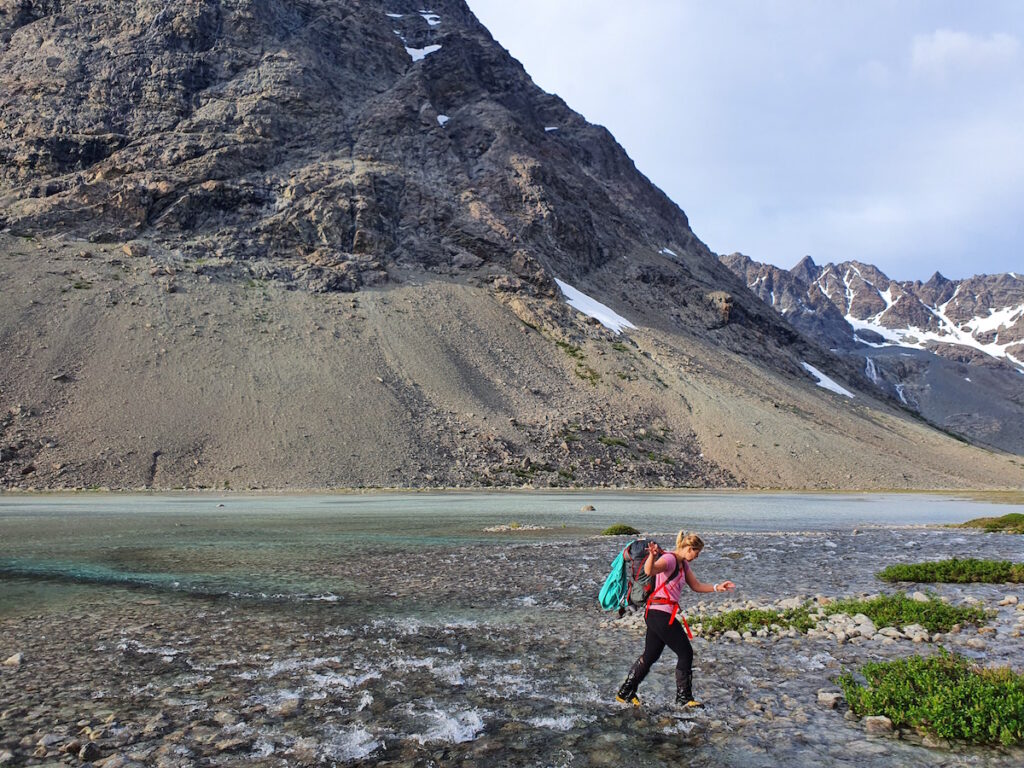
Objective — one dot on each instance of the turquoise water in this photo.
(290, 547)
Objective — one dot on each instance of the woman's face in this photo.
(690, 554)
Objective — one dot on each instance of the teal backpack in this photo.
(627, 586)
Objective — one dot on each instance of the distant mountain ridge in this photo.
(952, 350)
(954, 318)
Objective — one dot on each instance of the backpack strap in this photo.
(665, 601)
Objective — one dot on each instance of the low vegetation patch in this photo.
(620, 529)
(754, 619)
(957, 572)
(1011, 523)
(606, 440)
(899, 610)
(945, 695)
(570, 349)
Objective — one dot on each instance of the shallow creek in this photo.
(486, 649)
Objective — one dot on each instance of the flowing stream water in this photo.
(447, 629)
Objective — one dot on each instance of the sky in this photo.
(885, 131)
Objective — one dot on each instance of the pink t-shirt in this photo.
(674, 588)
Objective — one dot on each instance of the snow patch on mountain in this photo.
(608, 317)
(825, 381)
(418, 54)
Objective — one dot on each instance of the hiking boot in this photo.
(627, 691)
(687, 702)
(625, 697)
(684, 691)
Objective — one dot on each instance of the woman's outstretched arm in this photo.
(699, 586)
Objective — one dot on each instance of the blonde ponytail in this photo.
(689, 540)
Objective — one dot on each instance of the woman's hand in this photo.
(726, 586)
(654, 550)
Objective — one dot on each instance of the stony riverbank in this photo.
(518, 669)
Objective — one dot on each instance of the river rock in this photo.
(287, 708)
(829, 699)
(877, 725)
(916, 633)
(89, 752)
(1009, 600)
(920, 597)
(13, 660)
(6, 757)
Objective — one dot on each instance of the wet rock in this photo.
(977, 644)
(90, 752)
(157, 725)
(236, 744)
(287, 708)
(878, 725)
(934, 742)
(226, 718)
(6, 757)
(50, 740)
(829, 699)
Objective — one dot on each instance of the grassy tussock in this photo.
(899, 610)
(945, 695)
(1011, 523)
(955, 571)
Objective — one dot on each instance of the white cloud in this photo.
(945, 52)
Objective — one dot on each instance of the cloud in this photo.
(945, 51)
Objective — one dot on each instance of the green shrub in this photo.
(944, 695)
(620, 529)
(605, 440)
(899, 610)
(956, 572)
(751, 620)
(1011, 523)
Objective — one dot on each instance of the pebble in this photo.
(1008, 600)
(13, 660)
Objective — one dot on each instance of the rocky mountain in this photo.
(321, 243)
(965, 372)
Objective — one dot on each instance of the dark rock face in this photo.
(333, 145)
(336, 140)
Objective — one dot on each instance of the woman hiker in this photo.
(663, 626)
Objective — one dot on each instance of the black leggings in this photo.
(659, 634)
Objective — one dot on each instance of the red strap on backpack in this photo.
(665, 601)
